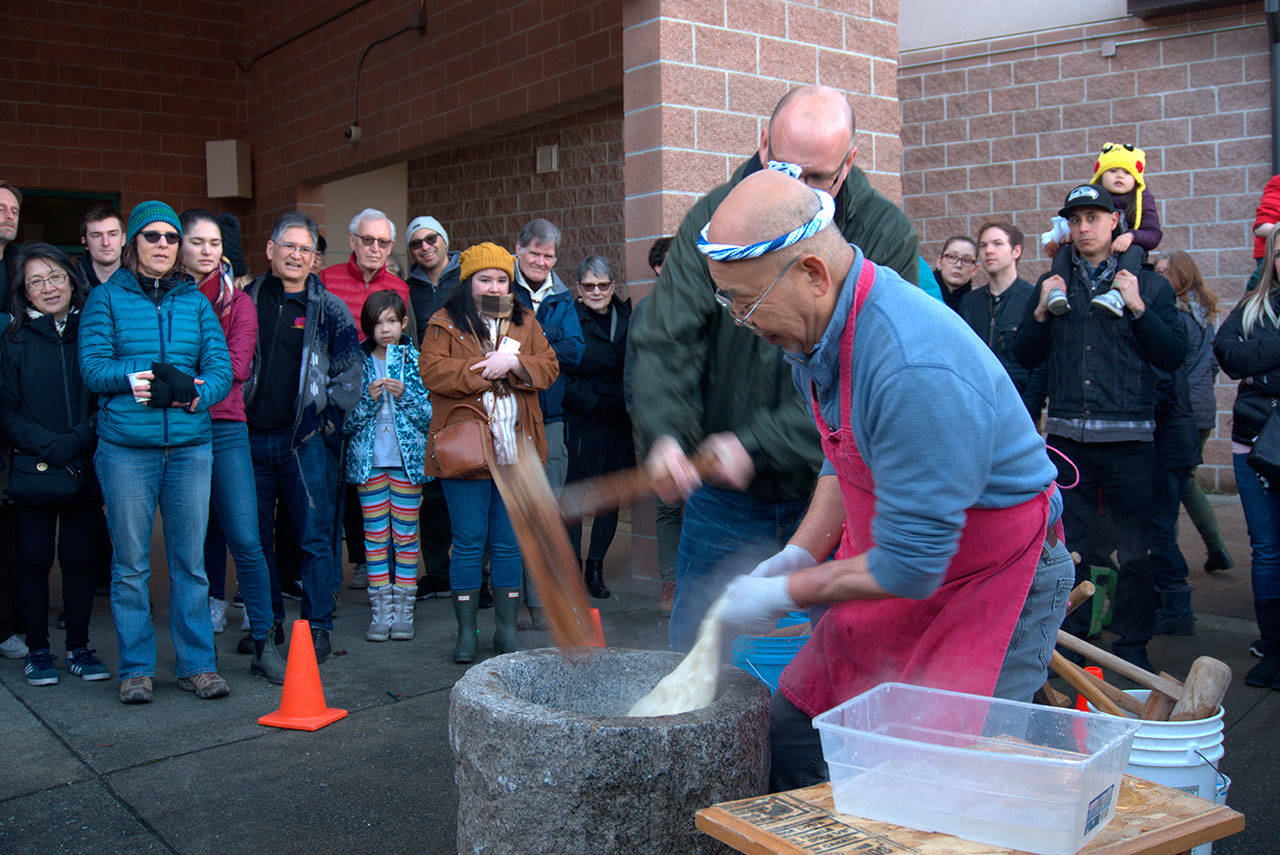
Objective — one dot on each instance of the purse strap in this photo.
(467, 405)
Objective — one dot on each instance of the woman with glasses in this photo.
(49, 417)
(484, 358)
(956, 265)
(233, 511)
(152, 350)
(598, 432)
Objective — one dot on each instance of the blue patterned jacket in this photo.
(412, 415)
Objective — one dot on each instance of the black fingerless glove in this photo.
(161, 394)
(182, 386)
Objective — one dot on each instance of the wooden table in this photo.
(1150, 819)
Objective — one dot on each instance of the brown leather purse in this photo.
(463, 448)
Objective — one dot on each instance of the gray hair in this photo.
(295, 220)
(543, 231)
(370, 214)
(597, 264)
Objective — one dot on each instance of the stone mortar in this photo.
(546, 759)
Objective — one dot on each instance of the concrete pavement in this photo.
(80, 772)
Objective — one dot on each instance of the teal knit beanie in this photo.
(146, 213)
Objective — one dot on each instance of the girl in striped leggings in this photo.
(387, 434)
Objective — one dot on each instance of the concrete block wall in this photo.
(489, 190)
(702, 77)
(1004, 128)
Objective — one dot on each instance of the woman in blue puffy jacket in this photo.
(152, 350)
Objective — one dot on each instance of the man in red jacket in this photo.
(371, 235)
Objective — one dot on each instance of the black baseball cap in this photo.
(1087, 196)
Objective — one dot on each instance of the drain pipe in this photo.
(1272, 10)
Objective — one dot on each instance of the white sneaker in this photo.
(1111, 301)
(13, 648)
(1057, 304)
(218, 613)
(244, 622)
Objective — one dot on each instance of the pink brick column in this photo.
(700, 78)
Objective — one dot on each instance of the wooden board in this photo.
(1150, 820)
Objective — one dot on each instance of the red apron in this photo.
(957, 637)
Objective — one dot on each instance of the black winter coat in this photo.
(1255, 362)
(996, 325)
(46, 410)
(1100, 366)
(597, 429)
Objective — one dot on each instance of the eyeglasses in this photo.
(417, 243)
(727, 302)
(952, 258)
(290, 248)
(370, 240)
(57, 280)
(819, 180)
(170, 238)
(596, 286)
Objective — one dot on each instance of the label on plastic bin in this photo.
(1098, 808)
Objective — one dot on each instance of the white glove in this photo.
(1058, 233)
(784, 563)
(752, 605)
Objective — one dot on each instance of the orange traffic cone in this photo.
(597, 632)
(302, 701)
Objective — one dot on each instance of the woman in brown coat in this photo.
(484, 359)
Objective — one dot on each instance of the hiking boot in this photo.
(13, 648)
(1057, 303)
(402, 613)
(267, 661)
(41, 668)
(380, 607)
(1111, 301)
(320, 640)
(218, 614)
(86, 666)
(668, 601)
(206, 686)
(135, 690)
(359, 577)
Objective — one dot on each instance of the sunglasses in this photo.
(370, 240)
(595, 286)
(170, 238)
(420, 242)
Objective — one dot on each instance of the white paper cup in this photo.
(134, 381)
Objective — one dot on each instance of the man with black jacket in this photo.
(1102, 397)
(995, 310)
(699, 377)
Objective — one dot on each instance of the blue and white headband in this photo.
(733, 252)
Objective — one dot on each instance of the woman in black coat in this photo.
(598, 431)
(49, 418)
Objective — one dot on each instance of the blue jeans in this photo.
(1026, 661)
(478, 518)
(299, 476)
(134, 482)
(724, 534)
(233, 524)
(1262, 517)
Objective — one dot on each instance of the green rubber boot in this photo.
(465, 606)
(506, 602)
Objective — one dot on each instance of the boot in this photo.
(1267, 672)
(465, 606)
(402, 613)
(536, 620)
(380, 604)
(1175, 616)
(593, 572)
(506, 602)
(267, 661)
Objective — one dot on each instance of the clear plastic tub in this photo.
(1016, 775)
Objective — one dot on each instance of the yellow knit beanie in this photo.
(1132, 160)
(485, 256)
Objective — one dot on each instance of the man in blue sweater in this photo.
(935, 491)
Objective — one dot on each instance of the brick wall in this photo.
(102, 97)
(482, 70)
(1006, 127)
(702, 79)
(489, 190)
